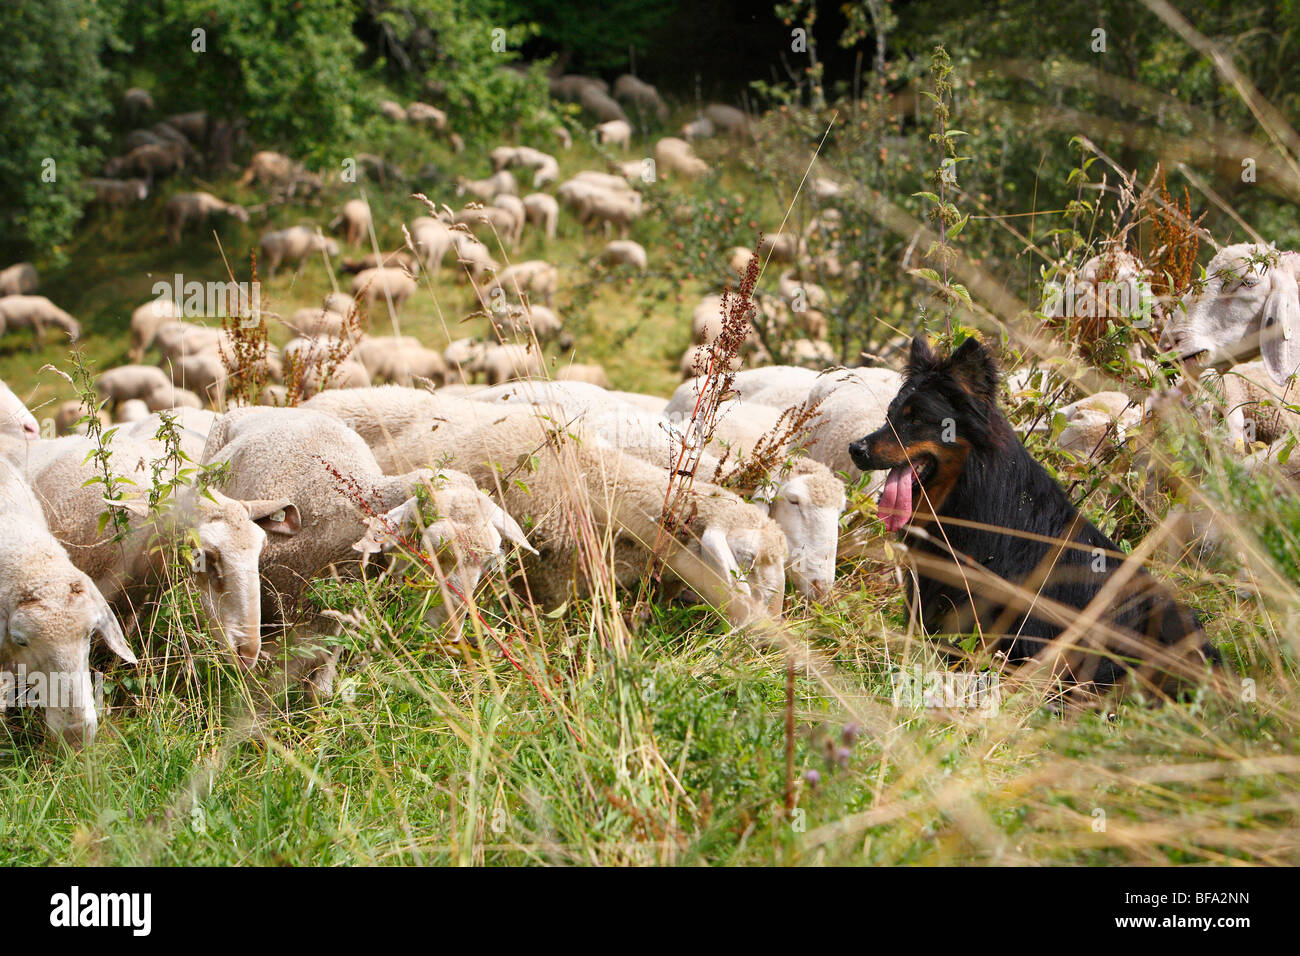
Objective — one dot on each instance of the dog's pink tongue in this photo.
(895, 505)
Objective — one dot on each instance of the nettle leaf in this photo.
(956, 228)
(930, 274)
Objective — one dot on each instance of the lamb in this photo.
(466, 533)
(605, 181)
(36, 312)
(293, 245)
(355, 219)
(228, 535)
(485, 189)
(673, 155)
(536, 277)
(116, 385)
(643, 95)
(184, 208)
(145, 321)
(1250, 306)
(48, 612)
(394, 285)
(117, 193)
(727, 118)
(542, 211)
(400, 360)
(614, 133)
(19, 279)
(625, 252)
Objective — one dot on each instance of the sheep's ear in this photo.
(109, 630)
(744, 545)
(1279, 327)
(507, 527)
(378, 538)
(279, 516)
(718, 554)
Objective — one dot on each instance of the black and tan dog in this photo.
(1001, 551)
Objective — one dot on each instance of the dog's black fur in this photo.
(977, 471)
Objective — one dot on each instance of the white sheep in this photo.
(130, 381)
(614, 133)
(433, 239)
(36, 312)
(542, 211)
(673, 155)
(472, 256)
(392, 110)
(391, 285)
(16, 421)
(228, 533)
(499, 182)
(612, 209)
(116, 193)
(293, 245)
(600, 105)
(643, 95)
(727, 118)
(699, 128)
(19, 279)
(536, 277)
(515, 206)
(778, 386)
(355, 220)
(278, 171)
(422, 114)
(48, 612)
(625, 252)
(587, 374)
(852, 403)
(1250, 305)
(185, 208)
(145, 321)
(400, 360)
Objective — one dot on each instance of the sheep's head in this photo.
(15, 419)
(463, 541)
(807, 505)
(751, 556)
(1249, 305)
(45, 630)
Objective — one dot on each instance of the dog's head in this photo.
(946, 406)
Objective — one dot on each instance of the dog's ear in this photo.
(974, 369)
(922, 358)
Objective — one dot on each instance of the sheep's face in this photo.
(46, 635)
(1226, 313)
(15, 419)
(751, 559)
(231, 537)
(810, 517)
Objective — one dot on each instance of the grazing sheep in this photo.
(563, 137)
(738, 259)
(48, 612)
(533, 321)
(169, 397)
(1250, 305)
(1251, 396)
(312, 460)
(462, 541)
(19, 279)
(569, 87)
(600, 105)
(462, 357)
(472, 256)
(674, 155)
(536, 277)
(642, 95)
(422, 114)
(129, 381)
(149, 161)
(699, 128)
(229, 535)
(800, 295)
(324, 322)
(782, 247)
(515, 206)
(588, 374)
(400, 360)
(145, 321)
(810, 353)
(355, 219)
(203, 373)
(398, 258)
(137, 102)
(778, 386)
(293, 245)
(489, 221)
(393, 111)
(393, 285)
(614, 133)
(548, 174)
(184, 208)
(432, 239)
(118, 192)
(193, 125)
(707, 325)
(35, 312)
(612, 209)
(543, 211)
(279, 171)
(695, 360)
(727, 118)
(486, 189)
(625, 252)
(502, 157)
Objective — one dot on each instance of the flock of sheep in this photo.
(459, 460)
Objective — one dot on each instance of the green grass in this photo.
(588, 738)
